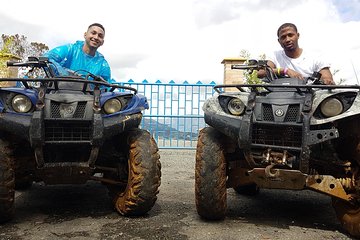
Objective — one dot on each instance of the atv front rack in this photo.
(55, 80)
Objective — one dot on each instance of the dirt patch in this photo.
(85, 212)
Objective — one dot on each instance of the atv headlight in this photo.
(331, 107)
(112, 105)
(236, 106)
(21, 103)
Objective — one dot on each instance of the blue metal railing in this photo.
(175, 115)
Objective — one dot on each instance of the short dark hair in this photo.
(285, 25)
(97, 25)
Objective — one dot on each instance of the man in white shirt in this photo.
(293, 61)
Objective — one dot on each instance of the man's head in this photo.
(94, 36)
(97, 25)
(288, 37)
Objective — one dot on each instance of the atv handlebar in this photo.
(48, 67)
(31, 62)
(252, 64)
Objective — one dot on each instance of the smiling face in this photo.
(288, 39)
(94, 38)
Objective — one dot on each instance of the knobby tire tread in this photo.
(210, 175)
(144, 177)
(7, 182)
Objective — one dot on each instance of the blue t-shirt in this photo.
(71, 56)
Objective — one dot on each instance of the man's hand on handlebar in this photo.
(293, 74)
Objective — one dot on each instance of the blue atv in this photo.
(71, 129)
(285, 133)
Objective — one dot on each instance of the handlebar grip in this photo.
(244, 66)
(17, 64)
(26, 64)
(11, 63)
(239, 66)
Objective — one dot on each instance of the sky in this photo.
(186, 40)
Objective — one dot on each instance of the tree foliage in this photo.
(19, 46)
(251, 77)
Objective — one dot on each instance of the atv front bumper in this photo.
(70, 132)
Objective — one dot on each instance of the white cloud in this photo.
(187, 40)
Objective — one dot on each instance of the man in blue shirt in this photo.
(82, 56)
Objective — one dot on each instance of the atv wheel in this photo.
(210, 175)
(249, 190)
(7, 183)
(144, 175)
(348, 215)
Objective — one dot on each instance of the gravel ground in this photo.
(84, 212)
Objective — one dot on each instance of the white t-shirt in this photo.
(305, 64)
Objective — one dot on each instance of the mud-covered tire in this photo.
(144, 176)
(7, 183)
(348, 215)
(248, 190)
(210, 175)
